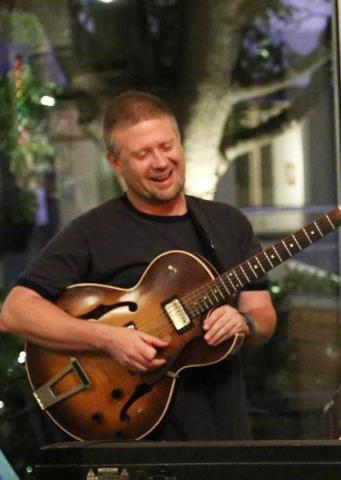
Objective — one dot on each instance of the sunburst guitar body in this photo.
(91, 396)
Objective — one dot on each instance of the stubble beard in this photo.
(158, 197)
(161, 197)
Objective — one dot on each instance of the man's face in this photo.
(150, 160)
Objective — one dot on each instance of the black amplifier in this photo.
(278, 460)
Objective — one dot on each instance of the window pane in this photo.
(253, 87)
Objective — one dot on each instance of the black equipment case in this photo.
(278, 460)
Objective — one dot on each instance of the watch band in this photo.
(250, 323)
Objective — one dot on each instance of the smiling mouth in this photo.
(162, 178)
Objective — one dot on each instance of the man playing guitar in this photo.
(113, 245)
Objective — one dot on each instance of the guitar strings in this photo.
(203, 291)
(212, 287)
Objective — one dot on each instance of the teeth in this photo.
(164, 177)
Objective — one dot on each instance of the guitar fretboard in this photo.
(219, 290)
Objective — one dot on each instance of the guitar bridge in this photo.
(46, 397)
(177, 314)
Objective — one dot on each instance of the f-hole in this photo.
(103, 309)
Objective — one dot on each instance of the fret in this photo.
(224, 286)
(208, 295)
(217, 289)
(318, 229)
(247, 278)
(232, 284)
(287, 249)
(215, 296)
(268, 259)
(278, 255)
(201, 308)
(292, 245)
(196, 309)
(304, 231)
(204, 301)
(311, 231)
(254, 273)
(261, 266)
(236, 275)
(299, 246)
(331, 223)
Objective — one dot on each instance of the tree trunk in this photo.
(212, 48)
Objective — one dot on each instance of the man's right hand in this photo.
(135, 350)
(31, 316)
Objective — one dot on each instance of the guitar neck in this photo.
(224, 286)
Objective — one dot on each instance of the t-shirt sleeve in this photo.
(63, 262)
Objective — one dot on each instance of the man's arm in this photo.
(258, 305)
(226, 321)
(25, 313)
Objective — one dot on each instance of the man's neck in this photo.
(176, 206)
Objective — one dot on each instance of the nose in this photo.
(159, 158)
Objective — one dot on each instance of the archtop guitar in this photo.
(90, 396)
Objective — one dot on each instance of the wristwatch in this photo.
(250, 323)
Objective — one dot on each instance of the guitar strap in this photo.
(201, 220)
(209, 226)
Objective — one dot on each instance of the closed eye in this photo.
(141, 155)
(167, 146)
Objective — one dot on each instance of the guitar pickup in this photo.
(177, 314)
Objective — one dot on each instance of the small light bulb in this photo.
(22, 357)
(275, 289)
(47, 101)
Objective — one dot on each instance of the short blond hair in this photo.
(130, 108)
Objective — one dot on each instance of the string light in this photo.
(22, 357)
(48, 101)
(275, 289)
(21, 113)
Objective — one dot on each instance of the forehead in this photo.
(146, 132)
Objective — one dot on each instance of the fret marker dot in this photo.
(291, 245)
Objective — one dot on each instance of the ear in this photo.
(114, 162)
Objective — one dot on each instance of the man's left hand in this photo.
(223, 323)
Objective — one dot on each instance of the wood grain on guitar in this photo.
(90, 396)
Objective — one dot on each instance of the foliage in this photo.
(251, 10)
(31, 151)
(261, 58)
(24, 142)
(308, 281)
(265, 54)
(26, 147)
(20, 209)
(7, 137)
(19, 449)
(316, 282)
(23, 28)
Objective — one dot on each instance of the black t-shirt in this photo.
(113, 244)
